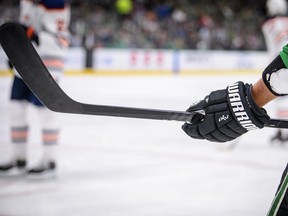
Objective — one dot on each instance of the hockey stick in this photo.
(27, 62)
(29, 65)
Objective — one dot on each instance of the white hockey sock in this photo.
(19, 129)
(49, 153)
(19, 142)
(19, 151)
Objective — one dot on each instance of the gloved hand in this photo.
(32, 35)
(230, 113)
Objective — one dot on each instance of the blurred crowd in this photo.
(163, 24)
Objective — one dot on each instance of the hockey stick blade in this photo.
(27, 62)
(29, 65)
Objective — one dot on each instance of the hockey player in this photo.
(50, 20)
(237, 109)
(275, 31)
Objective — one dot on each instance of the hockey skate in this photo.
(12, 168)
(43, 170)
(279, 138)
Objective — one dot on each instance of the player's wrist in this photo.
(261, 94)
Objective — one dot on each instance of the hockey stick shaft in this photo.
(27, 62)
(29, 65)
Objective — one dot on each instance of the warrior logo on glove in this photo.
(238, 107)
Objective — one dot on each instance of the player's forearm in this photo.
(261, 93)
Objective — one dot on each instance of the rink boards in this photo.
(159, 62)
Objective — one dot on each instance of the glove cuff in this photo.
(257, 111)
(247, 114)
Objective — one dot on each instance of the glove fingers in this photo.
(215, 136)
(235, 129)
(192, 131)
(212, 138)
(220, 132)
(218, 136)
(229, 132)
(210, 131)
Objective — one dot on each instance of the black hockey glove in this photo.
(31, 34)
(230, 113)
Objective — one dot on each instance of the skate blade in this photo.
(41, 176)
(14, 172)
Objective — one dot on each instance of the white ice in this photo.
(111, 166)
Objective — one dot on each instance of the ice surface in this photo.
(111, 166)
